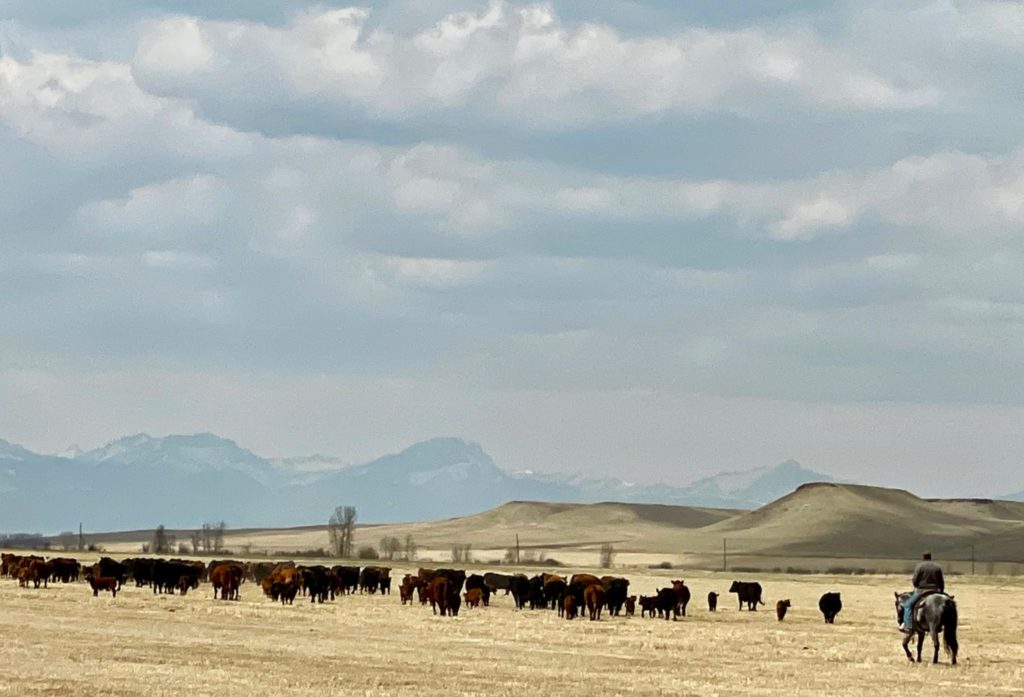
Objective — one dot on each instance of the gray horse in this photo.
(935, 613)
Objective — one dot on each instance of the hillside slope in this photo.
(854, 520)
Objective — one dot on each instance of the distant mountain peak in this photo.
(13, 450)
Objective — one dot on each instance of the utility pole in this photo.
(725, 557)
(972, 560)
(81, 539)
(517, 548)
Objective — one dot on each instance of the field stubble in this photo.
(62, 640)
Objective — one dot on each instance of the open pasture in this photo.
(62, 640)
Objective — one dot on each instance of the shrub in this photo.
(367, 552)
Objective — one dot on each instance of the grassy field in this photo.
(61, 640)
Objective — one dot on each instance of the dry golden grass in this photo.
(63, 641)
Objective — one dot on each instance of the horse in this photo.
(935, 612)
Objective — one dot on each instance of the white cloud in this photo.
(518, 65)
(809, 217)
(94, 109)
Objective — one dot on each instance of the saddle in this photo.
(917, 604)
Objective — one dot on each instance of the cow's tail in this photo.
(949, 621)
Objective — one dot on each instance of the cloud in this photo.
(518, 65)
(519, 199)
(88, 108)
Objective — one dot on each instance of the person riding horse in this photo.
(927, 577)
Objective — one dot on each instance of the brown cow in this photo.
(594, 596)
(40, 572)
(630, 606)
(26, 575)
(584, 580)
(473, 597)
(227, 578)
(184, 583)
(9, 564)
(439, 592)
(781, 607)
(103, 583)
(569, 607)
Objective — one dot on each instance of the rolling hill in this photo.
(807, 527)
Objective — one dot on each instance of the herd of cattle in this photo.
(444, 590)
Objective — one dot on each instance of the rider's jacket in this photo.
(928, 576)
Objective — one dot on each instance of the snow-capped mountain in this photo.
(140, 481)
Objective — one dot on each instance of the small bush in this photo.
(661, 565)
(367, 552)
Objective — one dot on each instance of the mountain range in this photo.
(140, 481)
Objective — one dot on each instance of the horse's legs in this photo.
(935, 640)
(920, 645)
(906, 647)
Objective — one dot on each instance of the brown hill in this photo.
(816, 520)
(848, 521)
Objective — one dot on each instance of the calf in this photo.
(780, 609)
(712, 602)
(569, 607)
(647, 605)
(183, 584)
(103, 583)
(473, 597)
(630, 606)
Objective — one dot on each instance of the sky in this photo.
(653, 240)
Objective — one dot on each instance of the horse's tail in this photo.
(949, 620)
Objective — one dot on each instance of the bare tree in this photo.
(196, 538)
(218, 535)
(162, 542)
(340, 530)
(462, 553)
(607, 555)
(390, 547)
(410, 547)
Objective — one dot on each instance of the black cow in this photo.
(111, 568)
(349, 576)
(616, 591)
(537, 598)
(498, 582)
(748, 592)
(830, 604)
(369, 580)
(316, 583)
(554, 592)
(476, 581)
(141, 570)
(667, 603)
(456, 577)
(520, 587)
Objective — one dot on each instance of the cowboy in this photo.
(927, 578)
